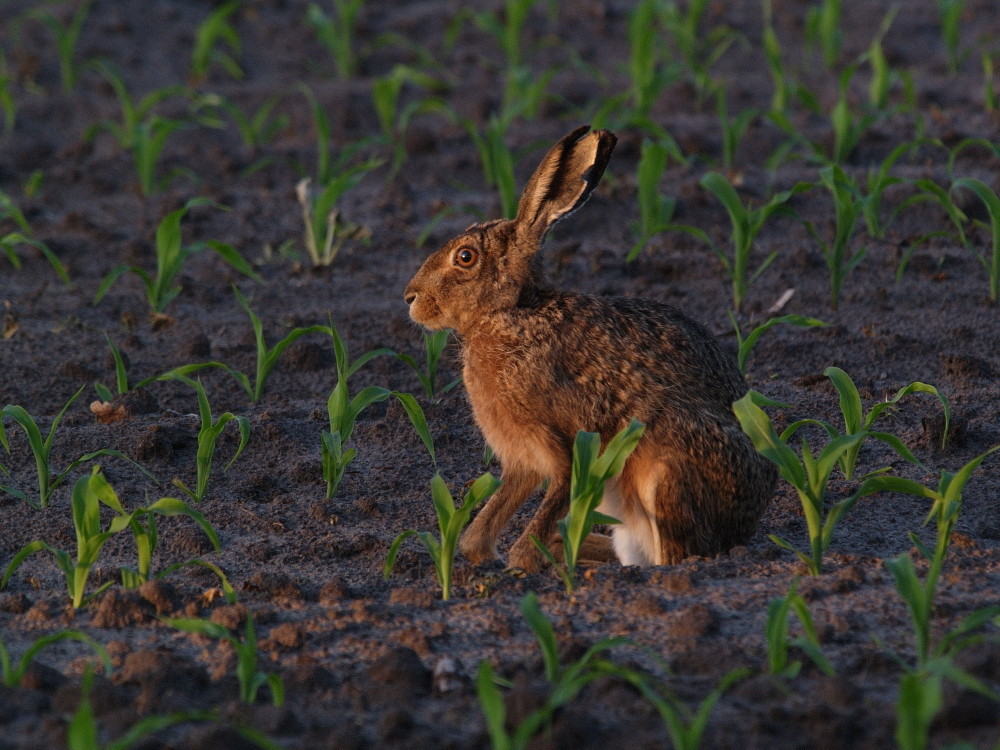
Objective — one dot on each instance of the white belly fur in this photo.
(636, 538)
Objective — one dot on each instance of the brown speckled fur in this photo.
(541, 364)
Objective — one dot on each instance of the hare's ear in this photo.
(564, 180)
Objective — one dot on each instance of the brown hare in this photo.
(542, 363)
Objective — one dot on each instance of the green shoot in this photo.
(121, 375)
(141, 131)
(878, 181)
(214, 32)
(746, 224)
(856, 422)
(393, 119)
(733, 128)
(451, 521)
(171, 254)
(256, 128)
(847, 208)
(8, 105)
(89, 494)
(808, 475)
(250, 677)
(337, 33)
(775, 63)
(990, 97)
(497, 161)
(343, 412)
(848, 126)
(655, 210)
(566, 682)
(746, 345)
(950, 15)
(12, 675)
(83, 733)
(325, 231)
(208, 434)
(41, 448)
(11, 240)
(66, 37)
(268, 358)
(920, 690)
(699, 52)
(946, 504)
(684, 726)
(435, 343)
(778, 643)
(591, 470)
(992, 203)
(823, 30)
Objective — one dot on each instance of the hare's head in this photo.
(491, 267)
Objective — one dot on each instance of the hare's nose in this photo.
(409, 297)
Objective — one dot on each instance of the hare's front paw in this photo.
(525, 556)
(477, 548)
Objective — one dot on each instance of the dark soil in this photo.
(357, 653)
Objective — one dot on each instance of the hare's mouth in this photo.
(426, 313)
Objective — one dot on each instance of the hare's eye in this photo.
(466, 257)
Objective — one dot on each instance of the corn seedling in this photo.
(848, 126)
(746, 345)
(208, 434)
(778, 644)
(121, 374)
(783, 84)
(83, 732)
(343, 412)
(395, 120)
(256, 128)
(41, 449)
(171, 254)
(497, 161)
(990, 97)
(434, 346)
(809, 475)
(655, 210)
(920, 690)
(214, 33)
(591, 470)
(881, 73)
(946, 504)
(823, 30)
(746, 223)
(733, 128)
(9, 242)
(141, 131)
(840, 260)
(877, 182)
(856, 422)
(451, 521)
(698, 51)
(251, 679)
(13, 674)
(89, 494)
(325, 231)
(8, 105)
(66, 36)
(950, 16)
(565, 682)
(336, 32)
(267, 358)
(928, 190)
(992, 203)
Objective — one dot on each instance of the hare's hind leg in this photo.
(524, 554)
(479, 542)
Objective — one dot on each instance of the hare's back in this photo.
(635, 349)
